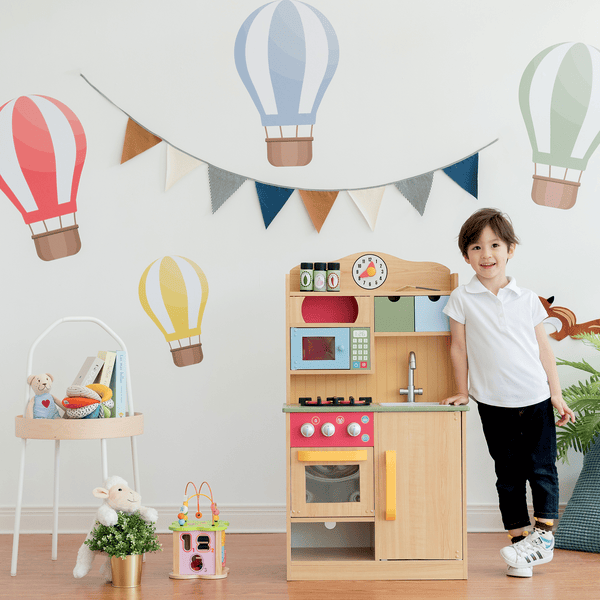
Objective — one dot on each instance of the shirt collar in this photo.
(476, 287)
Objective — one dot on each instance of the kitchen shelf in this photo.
(331, 372)
(410, 333)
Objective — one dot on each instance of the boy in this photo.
(500, 346)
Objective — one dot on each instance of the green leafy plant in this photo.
(584, 399)
(131, 535)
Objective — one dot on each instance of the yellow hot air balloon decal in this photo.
(173, 292)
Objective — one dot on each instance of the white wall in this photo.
(221, 420)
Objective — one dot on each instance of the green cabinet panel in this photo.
(394, 313)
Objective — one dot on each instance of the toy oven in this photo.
(330, 348)
(332, 482)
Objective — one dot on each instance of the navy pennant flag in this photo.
(465, 173)
(272, 199)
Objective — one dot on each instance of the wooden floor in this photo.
(257, 570)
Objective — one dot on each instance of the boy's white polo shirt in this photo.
(502, 351)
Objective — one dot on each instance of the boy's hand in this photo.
(456, 400)
(566, 414)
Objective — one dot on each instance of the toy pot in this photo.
(127, 572)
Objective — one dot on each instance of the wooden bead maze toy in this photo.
(198, 546)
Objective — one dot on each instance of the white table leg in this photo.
(136, 472)
(104, 454)
(15, 552)
(55, 509)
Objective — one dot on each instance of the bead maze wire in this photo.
(183, 515)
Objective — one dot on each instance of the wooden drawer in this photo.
(429, 315)
(394, 314)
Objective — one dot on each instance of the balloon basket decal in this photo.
(59, 243)
(189, 355)
(289, 152)
(554, 193)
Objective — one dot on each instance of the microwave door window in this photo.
(332, 483)
(318, 348)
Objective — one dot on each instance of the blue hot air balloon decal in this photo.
(286, 53)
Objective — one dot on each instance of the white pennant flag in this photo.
(179, 164)
(368, 201)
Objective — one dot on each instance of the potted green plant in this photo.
(125, 543)
(584, 399)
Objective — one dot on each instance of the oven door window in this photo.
(332, 483)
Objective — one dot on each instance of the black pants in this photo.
(522, 442)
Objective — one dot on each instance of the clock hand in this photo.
(369, 271)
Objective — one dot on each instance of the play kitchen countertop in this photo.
(383, 407)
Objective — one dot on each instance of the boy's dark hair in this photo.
(471, 230)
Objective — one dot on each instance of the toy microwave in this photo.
(330, 348)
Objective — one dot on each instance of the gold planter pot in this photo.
(127, 572)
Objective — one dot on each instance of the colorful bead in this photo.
(184, 510)
(181, 522)
(181, 516)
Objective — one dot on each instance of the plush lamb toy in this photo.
(117, 496)
(43, 404)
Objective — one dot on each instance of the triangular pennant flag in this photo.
(179, 164)
(465, 173)
(416, 190)
(272, 199)
(368, 201)
(137, 140)
(223, 185)
(318, 205)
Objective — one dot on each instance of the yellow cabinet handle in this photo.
(390, 485)
(332, 455)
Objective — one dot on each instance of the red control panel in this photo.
(322, 429)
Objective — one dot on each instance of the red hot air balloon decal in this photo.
(42, 151)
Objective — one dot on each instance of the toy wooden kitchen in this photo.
(376, 482)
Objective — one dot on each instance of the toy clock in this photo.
(369, 271)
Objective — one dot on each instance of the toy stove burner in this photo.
(336, 401)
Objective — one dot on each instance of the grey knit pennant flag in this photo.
(416, 190)
(223, 184)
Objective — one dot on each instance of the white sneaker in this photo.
(536, 549)
(521, 572)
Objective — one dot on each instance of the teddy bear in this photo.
(43, 405)
(117, 496)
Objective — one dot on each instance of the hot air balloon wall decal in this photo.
(173, 291)
(42, 151)
(286, 54)
(559, 96)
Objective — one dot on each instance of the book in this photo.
(119, 380)
(105, 375)
(89, 371)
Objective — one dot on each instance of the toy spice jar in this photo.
(320, 277)
(306, 277)
(333, 277)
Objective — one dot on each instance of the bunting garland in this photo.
(223, 184)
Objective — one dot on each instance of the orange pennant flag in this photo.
(318, 205)
(137, 140)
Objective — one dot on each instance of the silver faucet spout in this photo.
(411, 390)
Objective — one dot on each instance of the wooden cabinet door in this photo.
(428, 486)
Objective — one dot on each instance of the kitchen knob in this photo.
(307, 429)
(328, 429)
(341, 348)
(354, 429)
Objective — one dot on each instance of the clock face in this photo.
(369, 271)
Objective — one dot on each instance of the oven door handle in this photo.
(390, 485)
(332, 455)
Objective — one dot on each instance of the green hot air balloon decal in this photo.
(559, 97)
